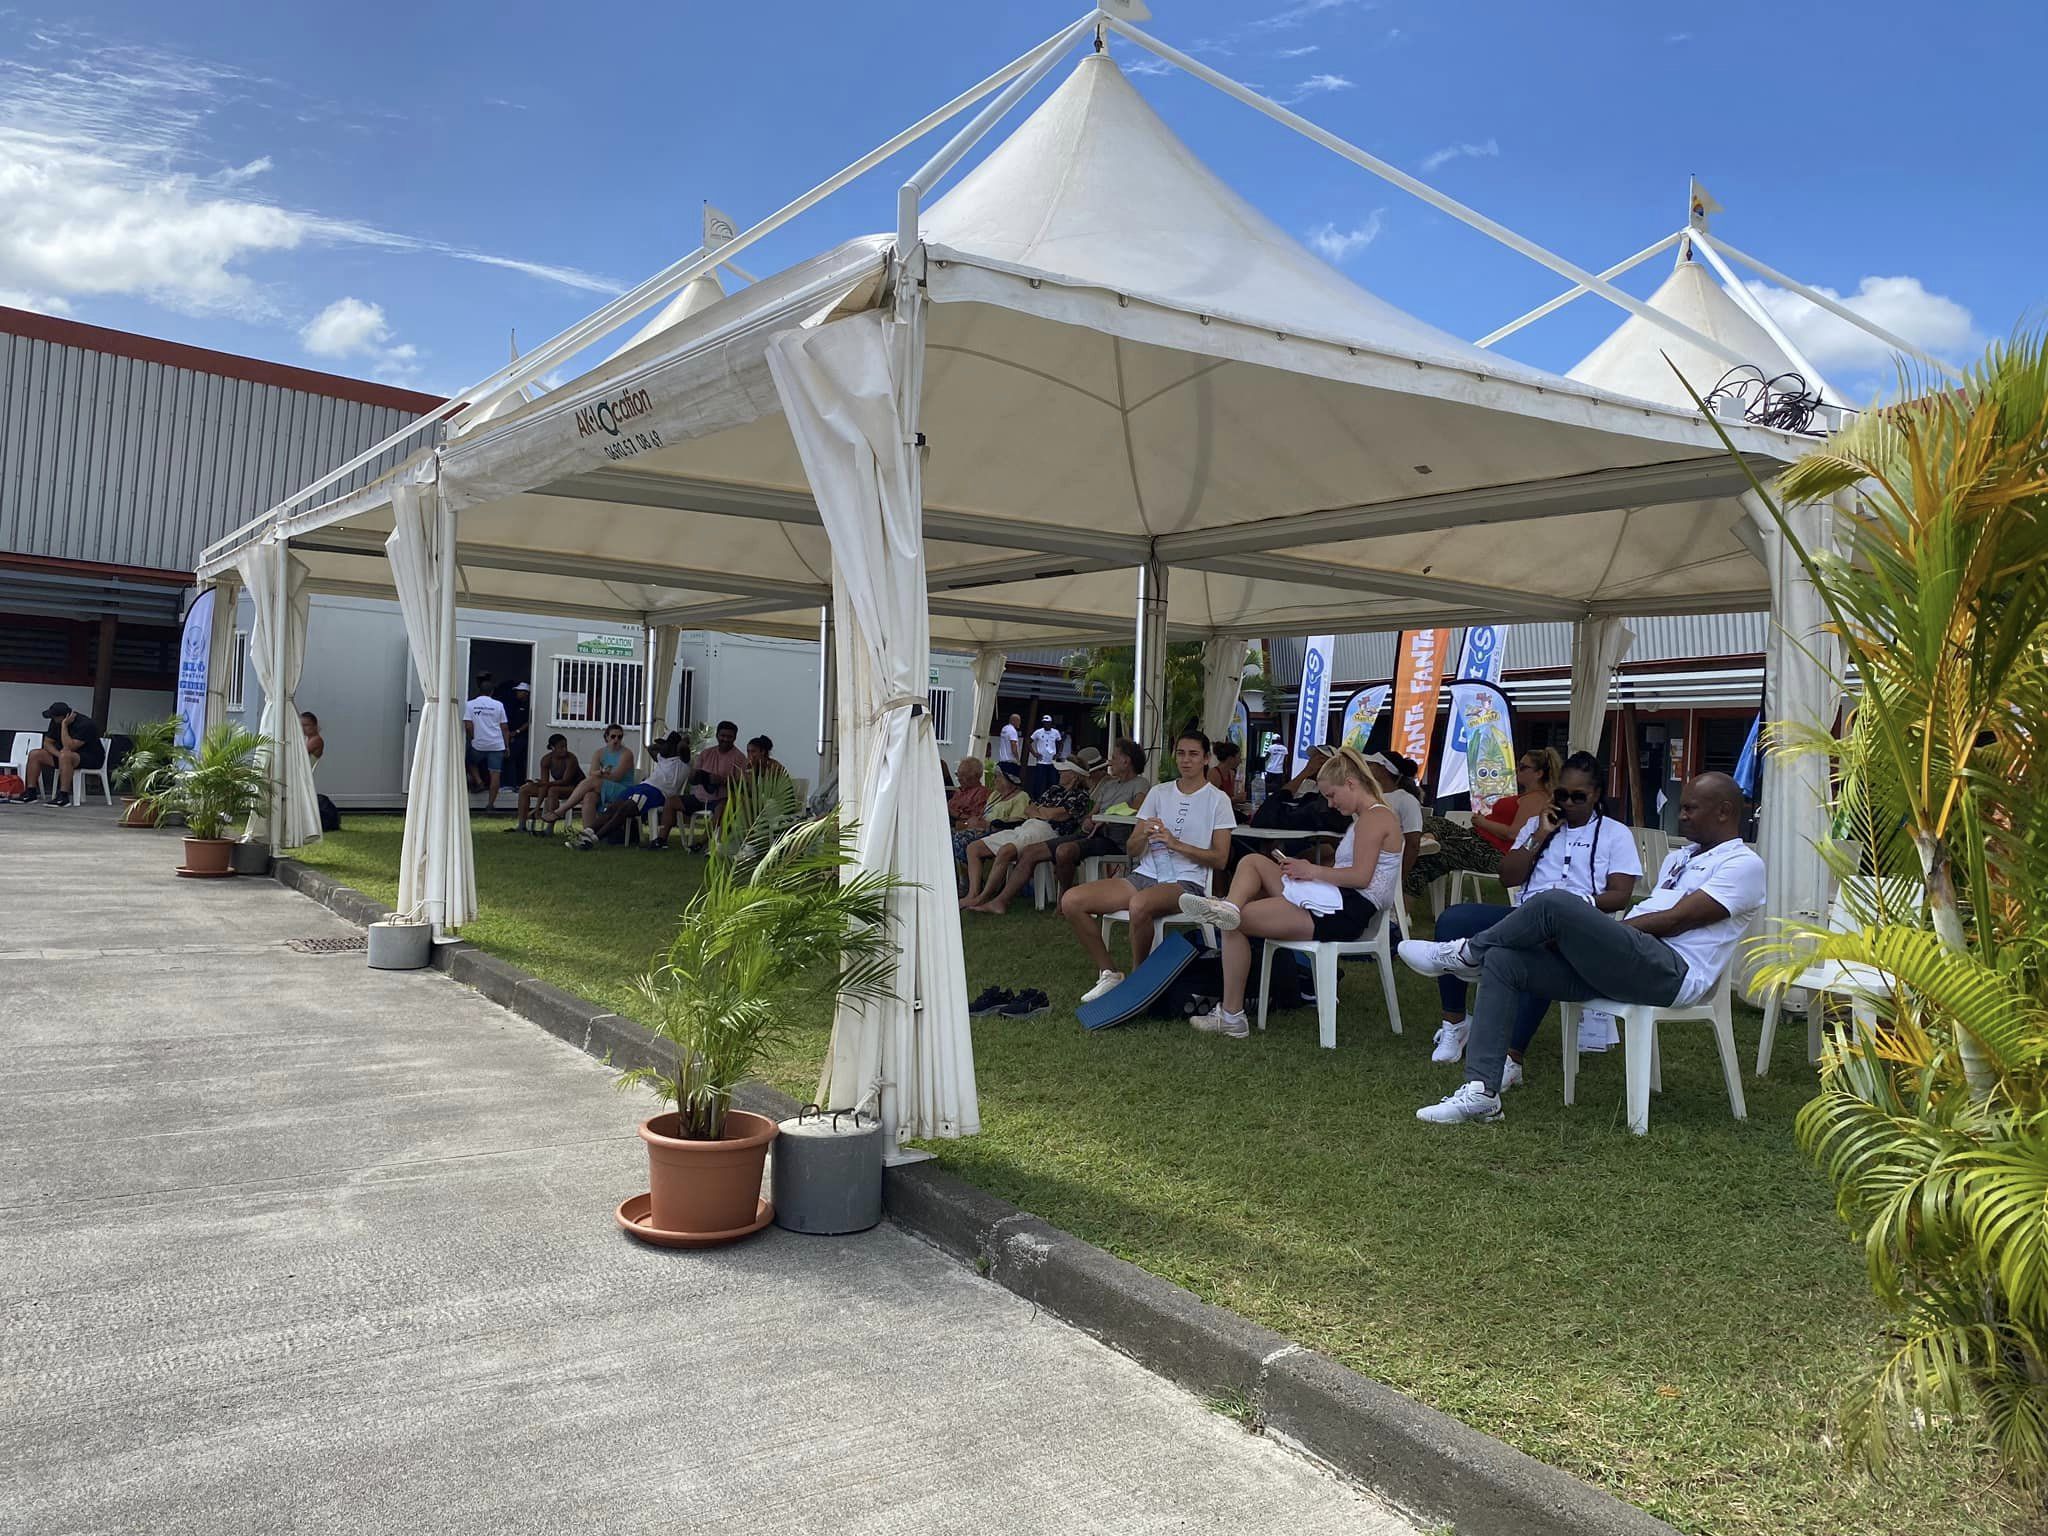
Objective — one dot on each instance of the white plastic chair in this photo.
(1641, 1060)
(1373, 944)
(1097, 868)
(80, 776)
(1865, 986)
(1653, 847)
(1478, 877)
(18, 750)
(1170, 920)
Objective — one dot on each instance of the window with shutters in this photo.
(238, 670)
(595, 691)
(942, 715)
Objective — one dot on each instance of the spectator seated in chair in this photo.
(1478, 847)
(1182, 837)
(717, 766)
(555, 776)
(71, 741)
(1120, 787)
(1227, 776)
(1058, 808)
(1670, 950)
(655, 793)
(309, 727)
(1004, 804)
(1279, 898)
(1569, 847)
(610, 776)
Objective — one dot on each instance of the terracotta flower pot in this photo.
(209, 856)
(136, 813)
(700, 1188)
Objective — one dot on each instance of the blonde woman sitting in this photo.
(1276, 898)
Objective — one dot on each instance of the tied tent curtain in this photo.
(1222, 675)
(850, 390)
(988, 678)
(1598, 648)
(261, 567)
(436, 875)
(663, 641)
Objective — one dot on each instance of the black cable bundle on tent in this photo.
(1783, 402)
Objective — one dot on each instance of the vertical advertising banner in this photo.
(1487, 765)
(1361, 714)
(194, 653)
(1479, 661)
(1241, 729)
(1418, 669)
(1311, 717)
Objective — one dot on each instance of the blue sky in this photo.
(389, 190)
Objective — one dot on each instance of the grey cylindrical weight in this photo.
(828, 1176)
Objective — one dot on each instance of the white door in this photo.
(415, 697)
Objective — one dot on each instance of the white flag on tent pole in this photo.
(1479, 660)
(719, 228)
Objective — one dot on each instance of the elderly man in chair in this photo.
(1670, 949)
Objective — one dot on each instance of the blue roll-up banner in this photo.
(1361, 714)
(195, 651)
(1749, 766)
(1479, 660)
(1487, 765)
(1311, 717)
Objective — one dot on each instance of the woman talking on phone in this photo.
(1569, 847)
(1276, 898)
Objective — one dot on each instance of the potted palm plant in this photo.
(146, 771)
(778, 925)
(214, 785)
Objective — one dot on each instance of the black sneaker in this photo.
(63, 797)
(1028, 1004)
(659, 846)
(31, 795)
(990, 1000)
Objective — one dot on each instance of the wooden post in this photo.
(1632, 763)
(103, 673)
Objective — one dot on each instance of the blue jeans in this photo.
(1462, 922)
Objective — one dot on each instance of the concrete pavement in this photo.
(290, 1245)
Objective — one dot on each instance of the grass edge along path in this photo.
(1669, 1318)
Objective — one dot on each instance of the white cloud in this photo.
(1299, 53)
(1318, 85)
(1678, 37)
(1339, 245)
(1442, 157)
(350, 328)
(1295, 15)
(103, 189)
(42, 304)
(1902, 305)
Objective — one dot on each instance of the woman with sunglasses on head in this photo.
(610, 776)
(1569, 847)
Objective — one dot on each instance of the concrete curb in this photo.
(1424, 1462)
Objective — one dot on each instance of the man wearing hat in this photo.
(71, 741)
(1050, 813)
(518, 723)
(1045, 752)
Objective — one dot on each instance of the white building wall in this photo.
(22, 706)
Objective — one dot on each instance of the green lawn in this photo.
(1667, 1317)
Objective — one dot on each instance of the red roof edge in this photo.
(176, 354)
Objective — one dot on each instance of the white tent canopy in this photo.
(1099, 356)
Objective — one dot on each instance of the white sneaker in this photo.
(1433, 958)
(1213, 910)
(1470, 1103)
(1107, 982)
(1450, 1041)
(1510, 1074)
(1217, 1022)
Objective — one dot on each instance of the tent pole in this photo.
(1747, 302)
(1833, 306)
(1423, 190)
(828, 696)
(1573, 292)
(280, 613)
(1148, 677)
(1047, 54)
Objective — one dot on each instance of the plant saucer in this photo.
(632, 1217)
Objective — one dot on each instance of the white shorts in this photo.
(1029, 835)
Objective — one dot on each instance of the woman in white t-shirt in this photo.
(1275, 898)
(1570, 847)
(1182, 838)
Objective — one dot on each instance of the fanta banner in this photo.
(1361, 714)
(1311, 717)
(1480, 712)
(1479, 661)
(194, 653)
(1418, 670)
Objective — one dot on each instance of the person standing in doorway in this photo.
(1045, 751)
(483, 717)
(518, 702)
(1010, 742)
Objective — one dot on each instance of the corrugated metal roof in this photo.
(1538, 647)
(123, 459)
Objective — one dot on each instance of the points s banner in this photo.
(1418, 670)
(1310, 720)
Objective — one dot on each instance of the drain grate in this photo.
(328, 946)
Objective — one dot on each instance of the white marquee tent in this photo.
(1090, 358)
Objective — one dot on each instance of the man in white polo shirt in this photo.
(1671, 947)
(1045, 751)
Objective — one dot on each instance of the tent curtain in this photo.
(1222, 674)
(663, 641)
(436, 873)
(988, 678)
(220, 648)
(1598, 647)
(850, 390)
(259, 568)
(1803, 670)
